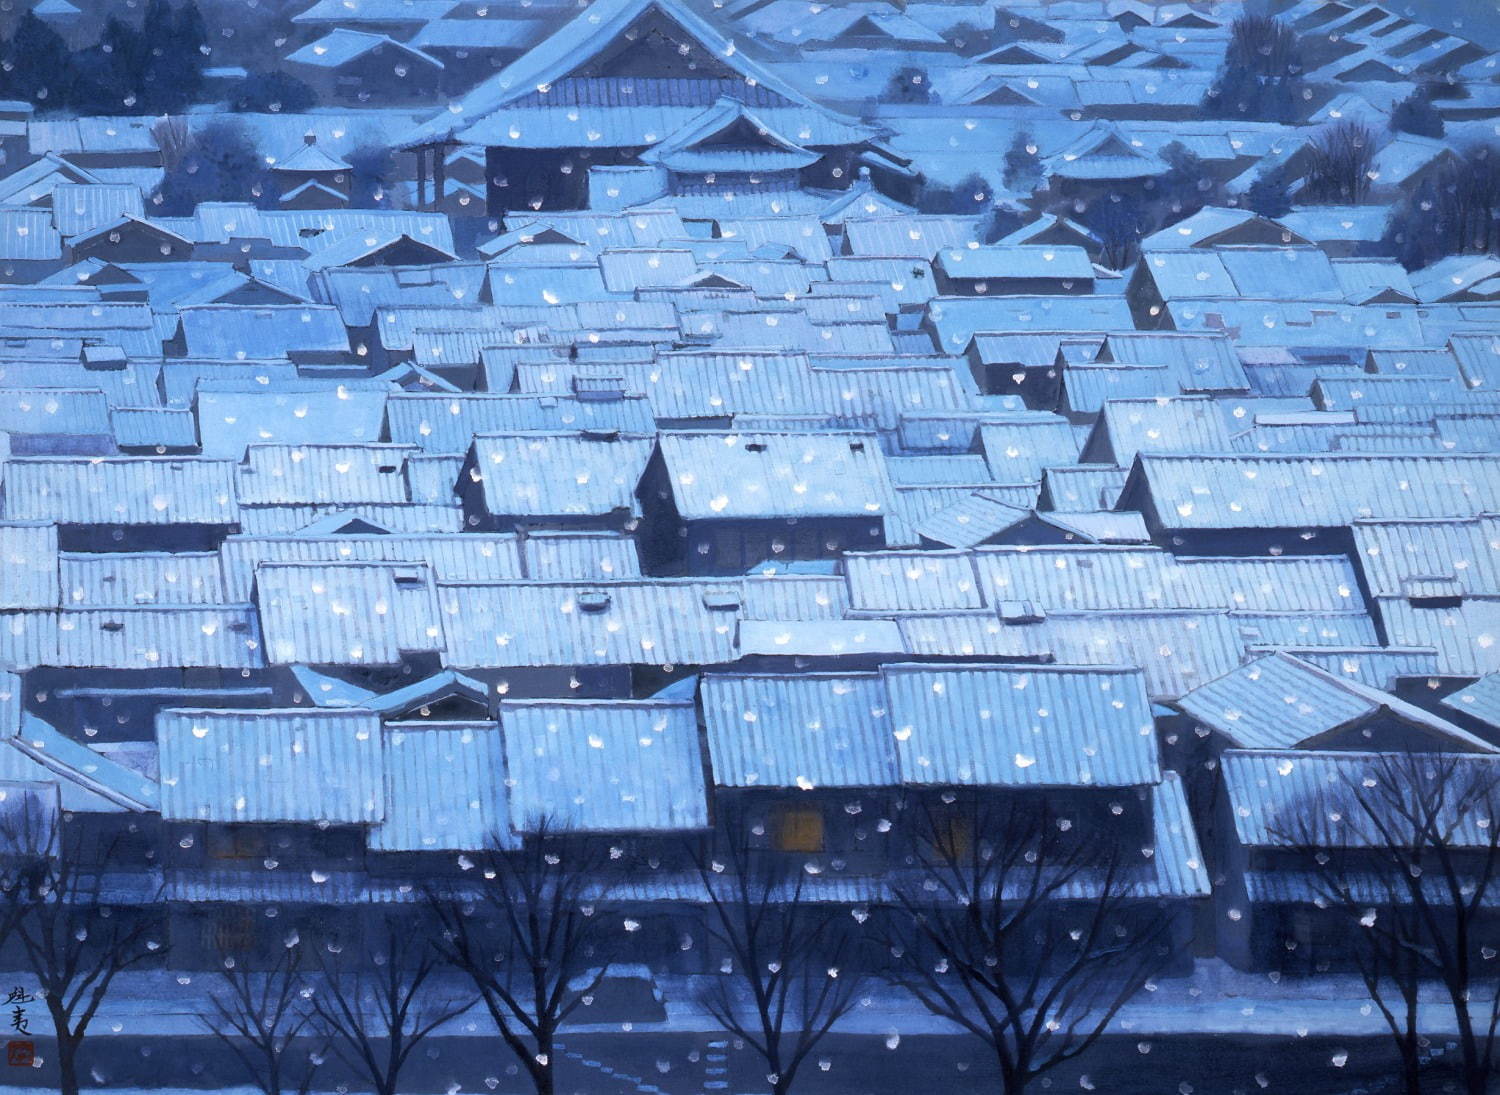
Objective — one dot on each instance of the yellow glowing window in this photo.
(799, 829)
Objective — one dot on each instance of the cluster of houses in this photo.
(716, 485)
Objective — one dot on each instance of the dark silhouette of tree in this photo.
(1454, 212)
(968, 197)
(273, 92)
(791, 970)
(1339, 165)
(1404, 851)
(379, 1003)
(1447, 86)
(1120, 223)
(1261, 75)
(1416, 114)
(217, 163)
(967, 39)
(1023, 167)
(116, 66)
(533, 929)
(1022, 930)
(191, 52)
(1269, 196)
(372, 169)
(1185, 187)
(75, 941)
(40, 65)
(999, 221)
(260, 1014)
(909, 84)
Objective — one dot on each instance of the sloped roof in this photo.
(1022, 726)
(269, 766)
(311, 159)
(724, 476)
(444, 790)
(580, 40)
(1282, 702)
(342, 45)
(1296, 490)
(1288, 797)
(604, 765)
(1480, 700)
(728, 137)
(558, 474)
(808, 730)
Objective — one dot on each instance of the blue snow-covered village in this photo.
(657, 547)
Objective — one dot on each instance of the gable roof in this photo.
(1282, 702)
(1205, 227)
(580, 40)
(1104, 152)
(342, 45)
(728, 137)
(1308, 491)
(310, 158)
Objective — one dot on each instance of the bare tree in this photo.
(532, 931)
(75, 940)
(1340, 162)
(377, 1005)
(1021, 929)
(1404, 849)
(259, 1015)
(791, 970)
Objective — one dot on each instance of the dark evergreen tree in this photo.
(909, 84)
(218, 163)
(1185, 187)
(1455, 212)
(999, 221)
(1023, 167)
(1120, 222)
(372, 169)
(273, 93)
(1416, 114)
(1269, 196)
(184, 65)
(1261, 76)
(121, 62)
(155, 93)
(41, 65)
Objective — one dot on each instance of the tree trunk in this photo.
(1411, 1072)
(1476, 1076)
(67, 1065)
(545, 1078)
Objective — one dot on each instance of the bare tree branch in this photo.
(1018, 929)
(524, 940)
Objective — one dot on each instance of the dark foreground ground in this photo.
(682, 1063)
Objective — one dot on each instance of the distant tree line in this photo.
(154, 68)
(220, 162)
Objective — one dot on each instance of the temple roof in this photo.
(620, 47)
(728, 137)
